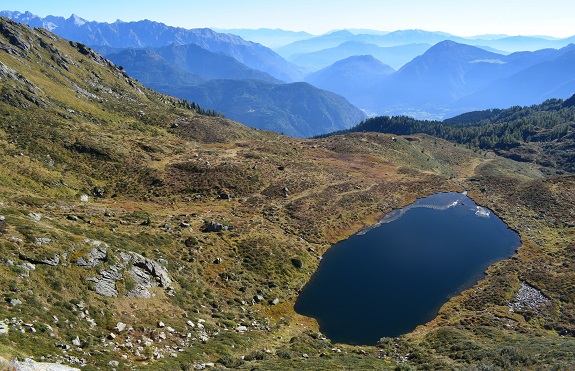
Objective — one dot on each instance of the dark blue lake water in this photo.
(395, 276)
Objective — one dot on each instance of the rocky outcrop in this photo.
(31, 365)
(144, 272)
(95, 256)
(105, 285)
(53, 261)
(147, 273)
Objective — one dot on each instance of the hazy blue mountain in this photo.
(451, 78)
(439, 76)
(525, 43)
(314, 44)
(153, 34)
(403, 37)
(504, 43)
(296, 109)
(352, 77)
(149, 68)
(553, 77)
(182, 65)
(272, 38)
(366, 31)
(191, 59)
(334, 39)
(395, 56)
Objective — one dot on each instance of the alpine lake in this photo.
(394, 276)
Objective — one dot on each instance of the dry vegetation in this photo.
(74, 126)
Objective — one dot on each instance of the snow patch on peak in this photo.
(77, 20)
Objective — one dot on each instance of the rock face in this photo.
(30, 365)
(145, 273)
(105, 285)
(95, 256)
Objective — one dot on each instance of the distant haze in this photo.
(462, 17)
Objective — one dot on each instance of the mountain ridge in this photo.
(148, 33)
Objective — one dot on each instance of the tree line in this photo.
(488, 129)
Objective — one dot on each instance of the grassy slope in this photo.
(103, 131)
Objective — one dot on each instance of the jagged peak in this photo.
(78, 21)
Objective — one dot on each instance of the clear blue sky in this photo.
(461, 17)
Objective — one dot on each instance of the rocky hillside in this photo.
(136, 233)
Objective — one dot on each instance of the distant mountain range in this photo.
(189, 58)
(499, 43)
(394, 56)
(452, 78)
(153, 34)
(438, 74)
(268, 37)
(352, 77)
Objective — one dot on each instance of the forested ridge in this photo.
(512, 132)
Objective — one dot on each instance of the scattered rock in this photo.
(73, 218)
(14, 302)
(241, 329)
(84, 198)
(111, 336)
(528, 296)
(98, 192)
(204, 337)
(62, 346)
(258, 298)
(161, 324)
(225, 196)
(42, 240)
(276, 301)
(218, 261)
(4, 329)
(216, 227)
(114, 363)
(120, 326)
(76, 342)
(2, 218)
(35, 216)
